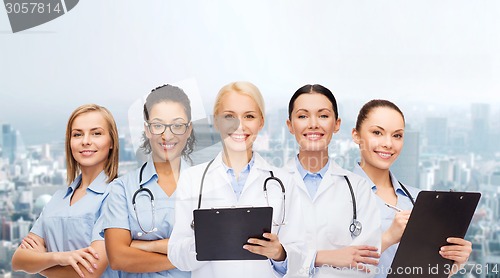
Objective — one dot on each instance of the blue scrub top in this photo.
(388, 215)
(119, 212)
(66, 227)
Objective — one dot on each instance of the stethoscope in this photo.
(271, 178)
(355, 227)
(152, 198)
(407, 193)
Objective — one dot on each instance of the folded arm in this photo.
(122, 256)
(31, 257)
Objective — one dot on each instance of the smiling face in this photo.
(167, 146)
(312, 122)
(90, 141)
(380, 138)
(239, 120)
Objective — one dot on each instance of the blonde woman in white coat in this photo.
(339, 243)
(235, 178)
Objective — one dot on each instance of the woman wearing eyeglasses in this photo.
(235, 178)
(140, 210)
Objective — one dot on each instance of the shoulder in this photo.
(266, 167)
(413, 190)
(124, 183)
(199, 168)
(58, 196)
(354, 179)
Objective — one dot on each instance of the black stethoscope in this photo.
(355, 227)
(152, 198)
(407, 193)
(271, 178)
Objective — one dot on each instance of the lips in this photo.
(87, 152)
(238, 137)
(168, 146)
(313, 136)
(384, 155)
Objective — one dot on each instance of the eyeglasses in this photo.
(159, 128)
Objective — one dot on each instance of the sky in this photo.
(424, 55)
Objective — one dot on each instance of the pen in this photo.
(393, 207)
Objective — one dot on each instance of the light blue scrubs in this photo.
(311, 180)
(66, 227)
(119, 212)
(388, 215)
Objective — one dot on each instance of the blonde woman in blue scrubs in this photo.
(379, 132)
(65, 240)
(137, 236)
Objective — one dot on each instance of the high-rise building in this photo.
(480, 131)
(406, 166)
(436, 134)
(9, 140)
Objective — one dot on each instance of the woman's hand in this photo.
(87, 257)
(458, 251)
(354, 257)
(31, 242)
(271, 248)
(393, 234)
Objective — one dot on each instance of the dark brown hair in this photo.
(372, 104)
(168, 93)
(313, 89)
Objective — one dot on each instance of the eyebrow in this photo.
(397, 130)
(231, 111)
(92, 129)
(161, 120)
(320, 110)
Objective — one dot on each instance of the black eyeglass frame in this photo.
(186, 125)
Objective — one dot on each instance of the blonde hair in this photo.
(111, 167)
(241, 87)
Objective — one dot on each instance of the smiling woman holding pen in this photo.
(379, 132)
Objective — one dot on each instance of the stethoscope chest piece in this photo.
(355, 228)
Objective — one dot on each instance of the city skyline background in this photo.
(438, 61)
(424, 56)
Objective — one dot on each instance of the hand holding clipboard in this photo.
(436, 217)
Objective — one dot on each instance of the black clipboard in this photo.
(221, 233)
(436, 216)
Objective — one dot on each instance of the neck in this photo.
(380, 177)
(313, 161)
(236, 160)
(168, 168)
(89, 174)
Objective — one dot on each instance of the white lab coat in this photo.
(330, 212)
(218, 192)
